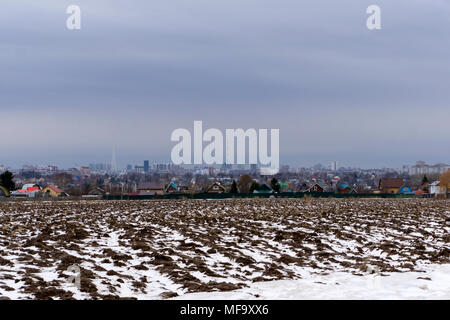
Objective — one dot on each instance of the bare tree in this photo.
(445, 180)
(62, 179)
(244, 183)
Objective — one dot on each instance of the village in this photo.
(172, 181)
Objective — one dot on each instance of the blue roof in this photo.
(405, 189)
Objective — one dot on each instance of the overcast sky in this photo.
(139, 69)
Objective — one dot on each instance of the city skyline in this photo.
(333, 165)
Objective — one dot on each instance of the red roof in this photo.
(391, 182)
(55, 189)
(423, 186)
(29, 189)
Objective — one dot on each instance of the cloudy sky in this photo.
(139, 69)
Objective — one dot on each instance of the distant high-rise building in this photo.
(334, 166)
(85, 171)
(146, 166)
(422, 168)
(100, 167)
(113, 160)
(52, 168)
(163, 167)
(211, 171)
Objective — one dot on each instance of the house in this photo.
(285, 187)
(53, 191)
(433, 188)
(172, 188)
(405, 190)
(344, 189)
(263, 188)
(194, 188)
(423, 189)
(150, 188)
(97, 192)
(315, 188)
(29, 190)
(390, 185)
(216, 187)
(183, 188)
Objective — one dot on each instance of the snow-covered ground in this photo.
(433, 283)
(274, 248)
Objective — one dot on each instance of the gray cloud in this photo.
(139, 69)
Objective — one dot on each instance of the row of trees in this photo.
(246, 184)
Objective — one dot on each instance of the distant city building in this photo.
(334, 166)
(284, 169)
(163, 167)
(139, 169)
(100, 167)
(85, 171)
(113, 160)
(41, 169)
(29, 168)
(318, 167)
(142, 169)
(52, 168)
(201, 171)
(422, 168)
(211, 172)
